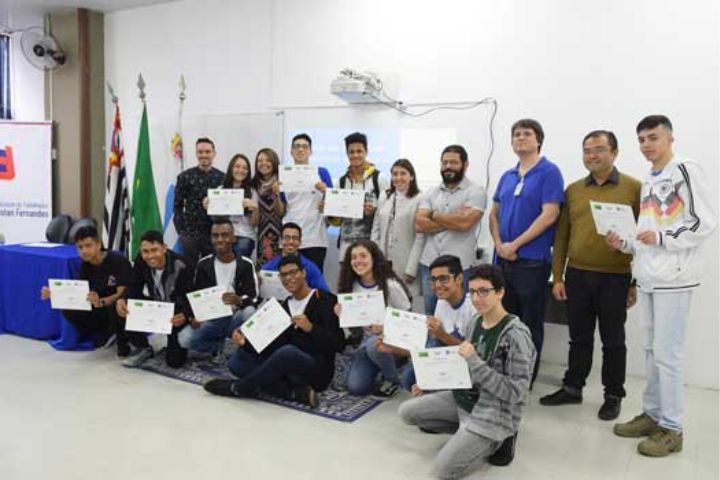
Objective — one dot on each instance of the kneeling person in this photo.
(301, 361)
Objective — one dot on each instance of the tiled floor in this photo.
(70, 415)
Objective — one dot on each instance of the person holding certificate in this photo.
(364, 269)
(160, 275)
(238, 177)
(108, 274)
(270, 208)
(301, 361)
(484, 420)
(236, 275)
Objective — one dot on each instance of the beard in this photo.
(452, 176)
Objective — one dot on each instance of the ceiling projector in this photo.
(356, 87)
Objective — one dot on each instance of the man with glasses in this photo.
(290, 241)
(302, 207)
(596, 281)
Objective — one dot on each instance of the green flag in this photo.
(144, 212)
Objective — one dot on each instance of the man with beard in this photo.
(449, 216)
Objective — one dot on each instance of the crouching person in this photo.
(301, 361)
(500, 355)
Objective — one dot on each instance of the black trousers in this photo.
(96, 325)
(194, 247)
(315, 255)
(596, 297)
(175, 355)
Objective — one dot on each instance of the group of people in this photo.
(410, 243)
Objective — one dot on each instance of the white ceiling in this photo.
(21, 7)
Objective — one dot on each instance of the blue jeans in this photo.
(244, 246)
(210, 335)
(286, 368)
(366, 364)
(428, 295)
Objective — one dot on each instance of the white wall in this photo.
(575, 66)
(28, 83)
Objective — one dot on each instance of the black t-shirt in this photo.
(104, 279)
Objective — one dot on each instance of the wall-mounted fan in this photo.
(41, 49)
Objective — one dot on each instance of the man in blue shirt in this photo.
(525, 208)
(290, 240)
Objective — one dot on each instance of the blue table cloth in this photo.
(24, 270)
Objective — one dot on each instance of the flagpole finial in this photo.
(141, 86)
(181, 84)
(111, 91)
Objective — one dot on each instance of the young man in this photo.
(449, 216)
(302, 207)
(160, 275)
(301, 361)
(291, 237)
(500, 355)
(676, 215)
(596, 282)
(109, 274)
(522, 224)
(191, 220)
(237, 276)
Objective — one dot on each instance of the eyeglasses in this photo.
(595, 151)
(480, 292)
(441, 279)
(301, 147)
(291, 238)
(289, 273)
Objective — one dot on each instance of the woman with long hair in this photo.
(365, 269)
(270, 207)
(394, 225)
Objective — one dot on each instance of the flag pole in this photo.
(182, 97)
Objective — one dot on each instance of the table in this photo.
(24, 270)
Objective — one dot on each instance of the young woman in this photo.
(394, 225)
(270, 208)
(238, 176)
(365, 269)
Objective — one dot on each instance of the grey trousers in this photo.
(438, 412)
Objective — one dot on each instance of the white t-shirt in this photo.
(297, 307)
(241, 224)
(225, 274)
(302, 208)
(457, 320)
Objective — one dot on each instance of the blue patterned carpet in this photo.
(335, 402)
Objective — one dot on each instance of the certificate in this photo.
(406, 330)
(225, 201)
(149, 316)
(441, 368)
(207, 304)
(613, 217)
(271, 286)
(361, 309)
(345, 203)
(298, 178)
(69, 294)
(265, 325)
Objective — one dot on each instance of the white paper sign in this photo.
(271, 286)
(298, 178)
(344, 203)
(361, 309)
(149, 316)
(614, 217)
(207, 304)
(265, 325)
(69, 294)
(406, 330)
(225, 201)
(441, 368)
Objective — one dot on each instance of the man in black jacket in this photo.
(301, 361)
(237, 276)
(160, 275)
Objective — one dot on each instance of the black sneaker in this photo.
(385, 390)
(504, 455)
(355, 337)
(561, 397)
(220, 386)
(104, 339)
(123, 349)
(610, 409)
(428, 431)
(307, 396)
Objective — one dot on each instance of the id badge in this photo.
(518, 189)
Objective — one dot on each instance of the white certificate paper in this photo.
(207, 304)
(265, 325)
(69, 294)
(361, 309)
(343, 202)
(298, 178)
(149, 316)
(613, 217)
(441, 368)
(271, 286)
(406, 330)
(225, 201)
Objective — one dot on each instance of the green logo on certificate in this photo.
(138, 304)
(395, 314)
(423, 354)
(347, 299)
(57, 284)
(597, 207)
(250, 323)
(196, 295)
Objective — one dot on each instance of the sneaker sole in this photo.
(657, 454)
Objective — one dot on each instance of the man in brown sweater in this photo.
(597, 281)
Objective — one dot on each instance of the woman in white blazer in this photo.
(394, 225)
